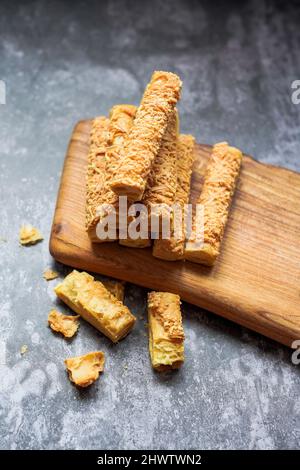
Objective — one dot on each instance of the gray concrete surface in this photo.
(64, 61)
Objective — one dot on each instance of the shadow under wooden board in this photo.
(256, 280)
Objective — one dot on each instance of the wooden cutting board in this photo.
(256, 280)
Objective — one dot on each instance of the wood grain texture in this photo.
(256, 279)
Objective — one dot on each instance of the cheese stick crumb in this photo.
(84, 370)
(49, 275)
(23, 349)
(67, 325)
(30, 235)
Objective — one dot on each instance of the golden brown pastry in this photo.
(91, 300)
(166, 336)
(30, 235)
(172, 249)
(159, 195)
(116, 288)
(84, 370)
(144, 139)
(49, 275)
(121, 120)
(67, 325)
(95, 172)
(24, 349)
(162, 180)
(138, 221)
(216, 195)
(161, 186)
(138, 243)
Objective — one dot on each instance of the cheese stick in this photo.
(217, 192)
(144, 139)
(91, 300)
(95, 171)
(84, 370)
(138, 243)
(166, 336)
(121, 119)
(160, 192)
(141, 242)
(172, 249)
(161, 186)
(139, 221)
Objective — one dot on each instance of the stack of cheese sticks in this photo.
(139, 153)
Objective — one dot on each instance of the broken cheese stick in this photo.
(161, 185)
(144, 139)
(172, 249)
(95, 172)
(91, 300)
(216, 195)
(166, 336)
(84, 370)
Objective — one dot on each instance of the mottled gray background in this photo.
(65, 61)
